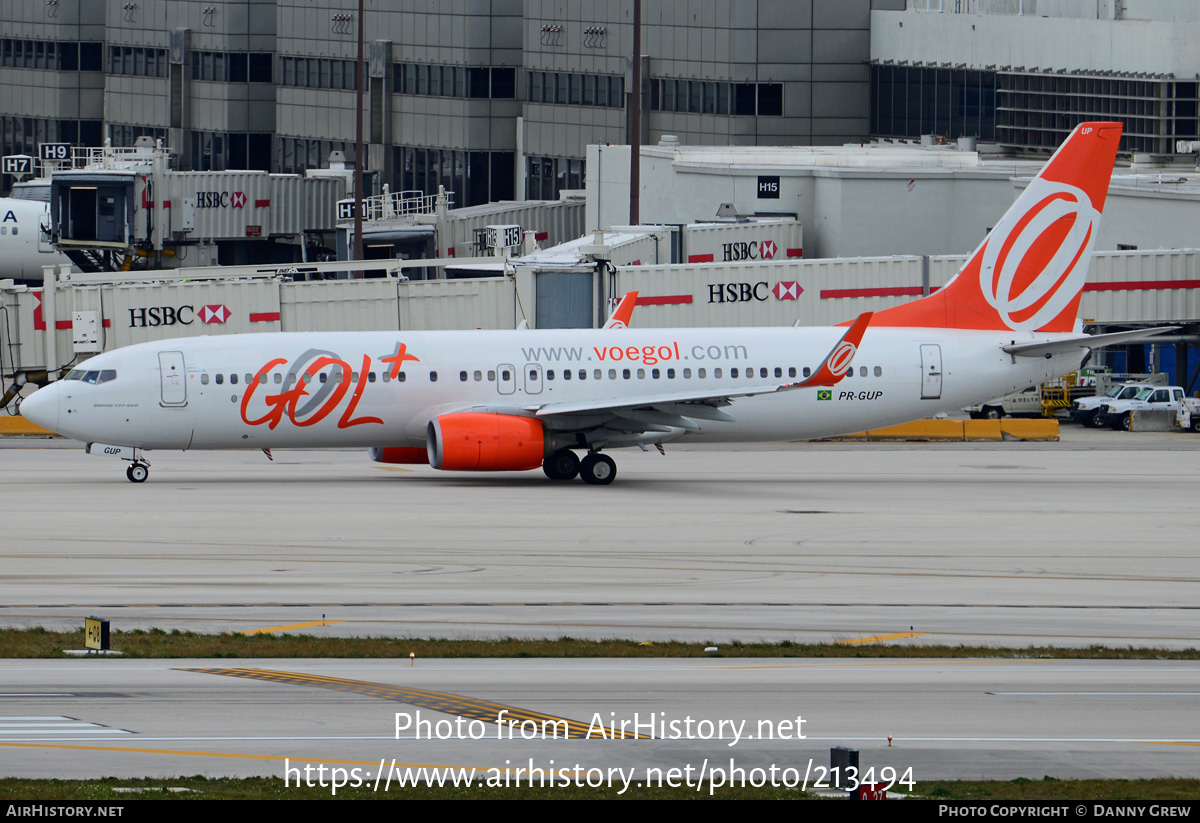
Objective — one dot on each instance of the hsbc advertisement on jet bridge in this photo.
(140, 313)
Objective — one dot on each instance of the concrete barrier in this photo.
(20, 426)
(1015, 429)
(920, 430)
(1153, 420)
(982, 430)
(956, 430)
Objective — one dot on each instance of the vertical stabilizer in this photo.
(1029, 272)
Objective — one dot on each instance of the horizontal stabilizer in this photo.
(1045, 348)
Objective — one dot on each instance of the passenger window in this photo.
(687, 374)
(862, 371)
(322, 377)
(879, 371)
(220, 378)
(506, 375)
(583, 374)
(625, 373)
(791, 371)
(370, 377)
(612, 374)
(750, 373)
(702, 373)
(566, 374)
(733, 372)
(108, 374)
(550, 374)
(462, 377)
(204, 380)
(402, 376)
(670, 374)
(762, 372)
(478, 376)
(278, 378)
(641, 374)
(387, 377)
(233, 379)
(807, 371)
(778, 372)
(433, 377)
(491, 375)
(717, 373)
(262, 380)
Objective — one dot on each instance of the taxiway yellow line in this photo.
(275, 757)
(877, 638)
(307, 625)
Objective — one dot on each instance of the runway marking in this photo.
(52, 724)
(307, 625)
(877, 638)
(452, 704)
(274, 757)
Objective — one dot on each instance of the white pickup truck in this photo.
(1086, 410)
(1026, 402)
(1119, 413)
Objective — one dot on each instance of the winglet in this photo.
(837, 363)
(623, 312)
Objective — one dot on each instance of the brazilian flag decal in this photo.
(824, 394)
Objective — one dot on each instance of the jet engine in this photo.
(483, 441)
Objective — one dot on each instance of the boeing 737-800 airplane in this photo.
(517, 400)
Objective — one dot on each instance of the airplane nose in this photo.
(41, 407)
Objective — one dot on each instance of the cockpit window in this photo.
(107, 375)
(91, 377)
(76, 374)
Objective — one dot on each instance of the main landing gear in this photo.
(138, 471)
(595, 469)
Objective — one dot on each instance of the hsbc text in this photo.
(738, 292)
(161, 316)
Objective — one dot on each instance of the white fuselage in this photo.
(22, 250)
(382, 388)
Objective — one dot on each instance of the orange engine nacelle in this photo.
(399, 454)
(481, 441)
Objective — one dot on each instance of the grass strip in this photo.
(157, 643)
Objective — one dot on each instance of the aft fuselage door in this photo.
(931, 371)
(174, 380)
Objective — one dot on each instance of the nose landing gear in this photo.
(138, 471)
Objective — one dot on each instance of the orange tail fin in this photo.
(1028, 273)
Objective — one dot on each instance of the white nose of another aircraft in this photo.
(41, 407)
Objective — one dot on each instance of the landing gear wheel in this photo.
(562, 465)
(137, 472)
(597, 469)
(992, 413)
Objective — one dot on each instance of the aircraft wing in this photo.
(674, 408)
(1045, 348)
